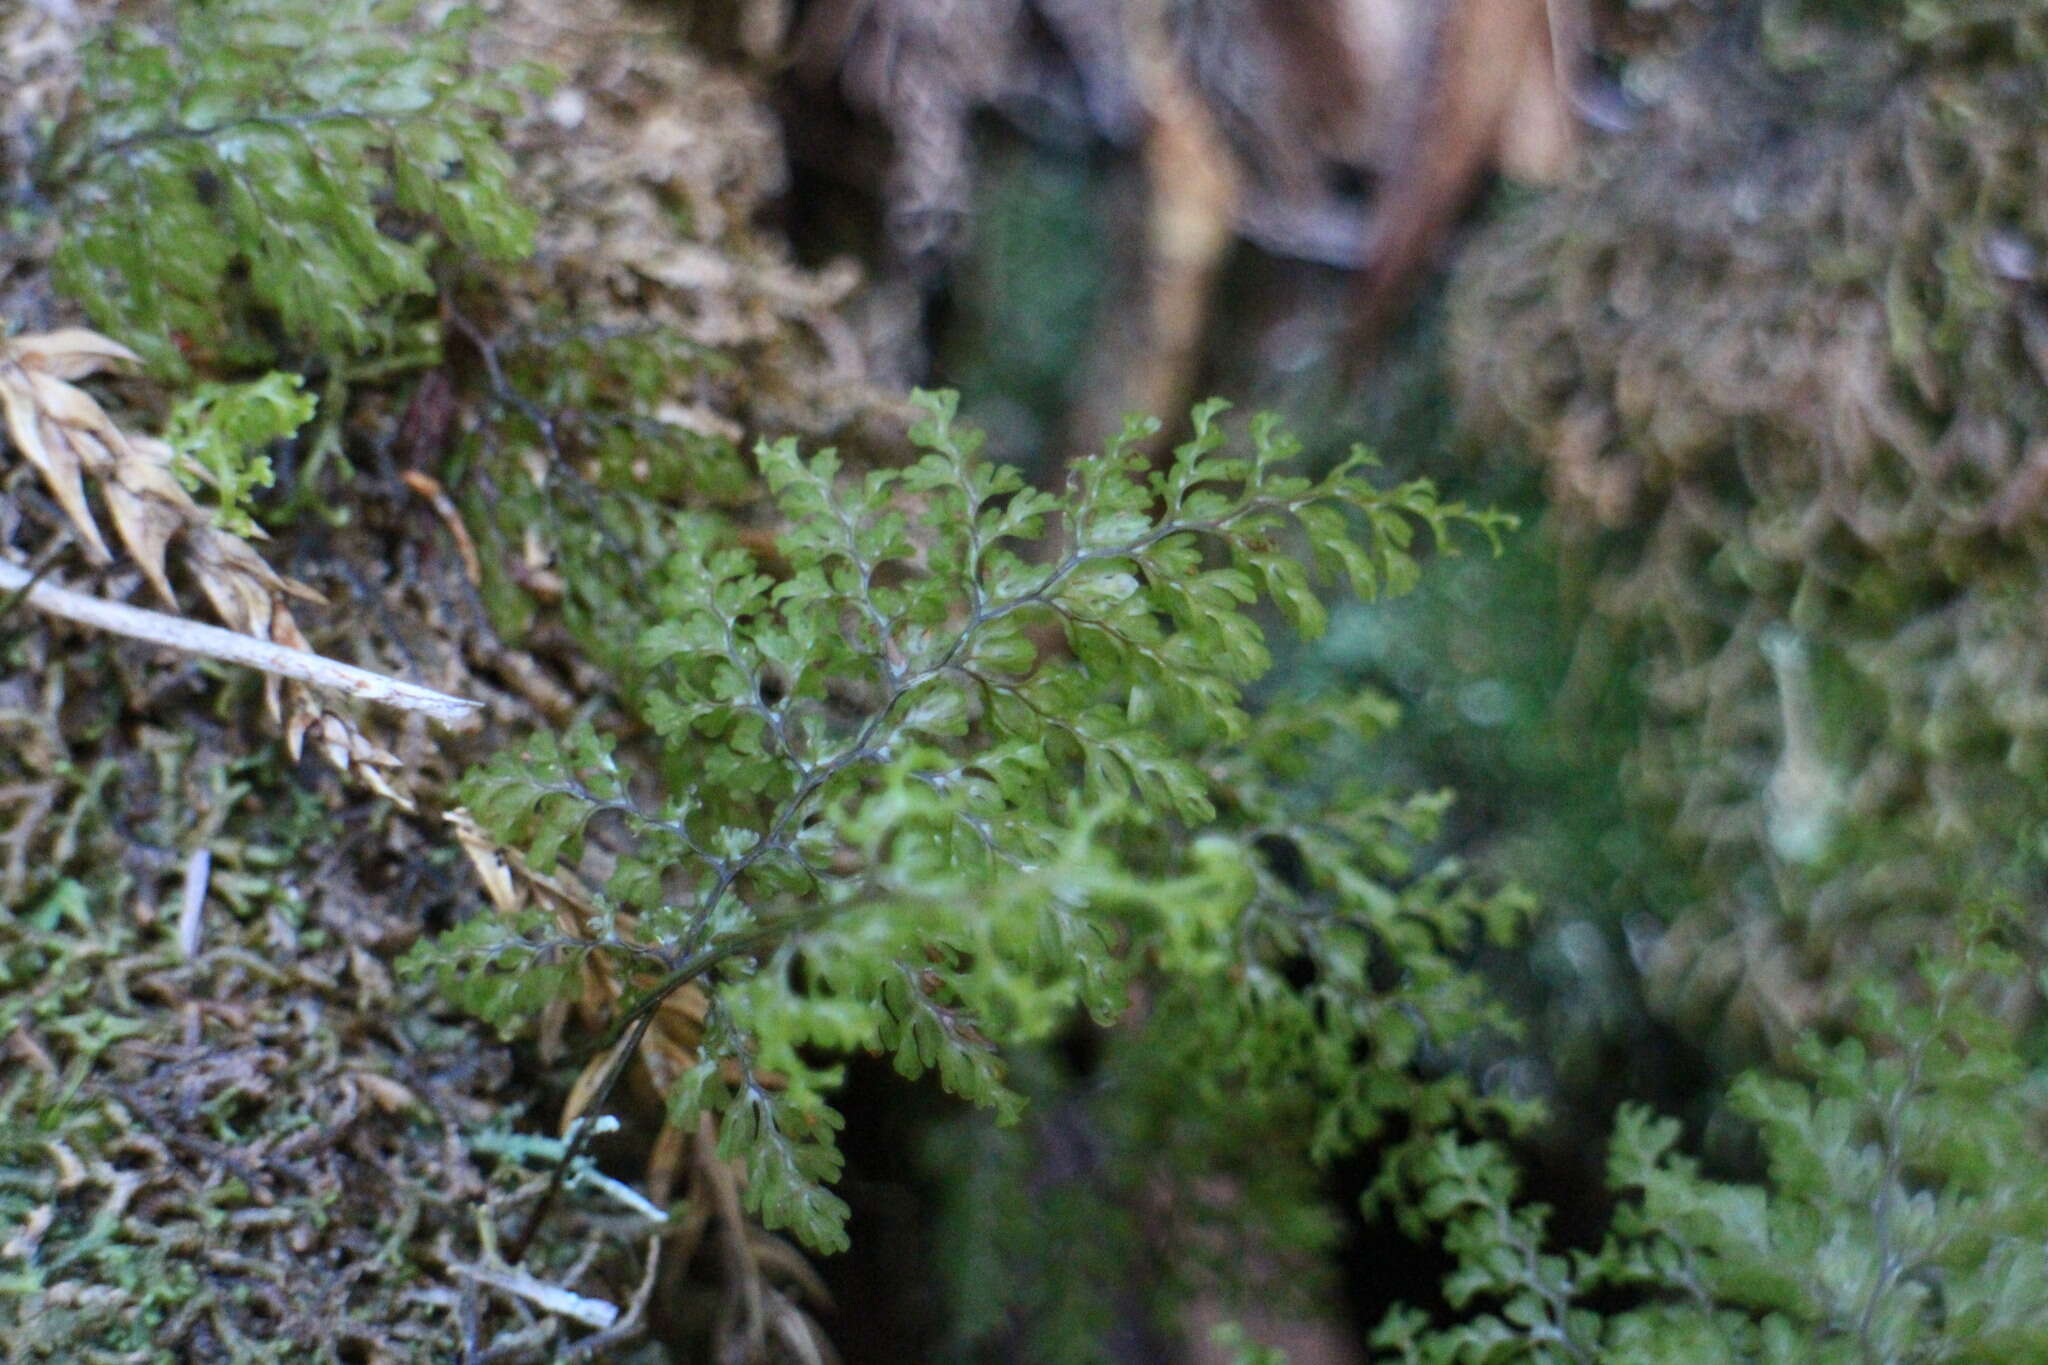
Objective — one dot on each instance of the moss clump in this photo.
(1783, 359)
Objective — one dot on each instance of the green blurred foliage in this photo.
(1902, 1218)
(1023, 308)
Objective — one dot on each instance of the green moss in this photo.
(298, 163)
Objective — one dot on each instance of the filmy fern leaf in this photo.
(955, 764)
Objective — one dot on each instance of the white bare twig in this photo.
(598, 1313)
(198, 874)
(193, 637)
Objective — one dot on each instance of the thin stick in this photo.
(192, 637)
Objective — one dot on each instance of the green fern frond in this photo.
(941, 833)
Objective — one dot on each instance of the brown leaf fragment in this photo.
(388, 1095)
(69, 438)
(73, 352)
(429, 487)
(44, 443)
(488, 860)
(334, 738)
(150, 508)
(589, 1085)
(665, 1163)
(295, 733)
(243, 589)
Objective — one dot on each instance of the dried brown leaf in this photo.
(150, 508)
(73, 353)
(57, 452)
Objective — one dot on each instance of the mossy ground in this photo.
(231, 1135)
(230, 1129)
